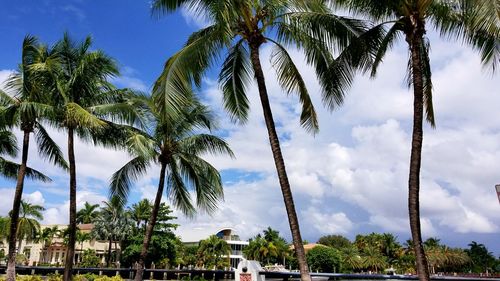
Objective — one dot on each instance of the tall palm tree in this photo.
(176, 146)
(26, 109)
(239, 28)
(88, 213)
(86, 104)
(409, 19)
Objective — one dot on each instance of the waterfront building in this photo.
(53, 251)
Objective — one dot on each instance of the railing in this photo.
(341, 276)
(178, 274)
(129, 273)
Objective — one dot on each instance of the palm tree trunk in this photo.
(109, 252)
(280, 164)
(415, 41)
(11, 263)
(70, 252)
(151, 224)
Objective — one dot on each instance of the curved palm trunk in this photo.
(151, 224)
(70, 252)
(415, 41)
(11, 263)
(280, 164)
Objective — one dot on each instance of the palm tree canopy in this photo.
(28, 226)
(9, 169)
(177, 144)
(237, 26)
(88, 213)
(405, 18)
(27, 103)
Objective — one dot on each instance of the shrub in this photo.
(90, 259)
(106, 278)
(324, 259)
(90, 276)
(54, 277)
(29, 278)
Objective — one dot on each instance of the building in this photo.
(52, 251)
(237, 245)
(193, 237)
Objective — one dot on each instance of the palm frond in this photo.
(427, 80)
(177, 190)
(8, 143)
(205, 181)
(10, 170)
(290, 79)
(172, 90)
(77, 116)
(205, 143)
(49, 149)
(122, 179)
(234, 77)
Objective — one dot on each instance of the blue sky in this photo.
(351, 178)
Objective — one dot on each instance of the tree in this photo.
(240, 28)
(351, 259)
(163, 249)
(214, 252)
(87, 214)
(324, 259)
(90, 259)
(112, 224)
(86, 104)
(48, 234)
(26, 109)
(176, 146)
(81, 237)
(28, 227)
(482, 260)
(408, 19)
(373, 259)
(335, 241)
(140, 212)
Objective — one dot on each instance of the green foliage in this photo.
(324, 259)
(90, 276)
(481, 259)
(163, 247)
(107, 278)
(54, 277)
(335, 241)
(21, 259)
(214, 252)
(268, 248)
(90, 259)
(29, 278)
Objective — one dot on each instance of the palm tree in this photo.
(140, 212)
(176, 146)
(88, 213)
(28, 227)
(85, 102)
(213, 249)
(240, 28)
(112, 224)
(408, 19)
(81, 237)
(26, 109)
(373, 258)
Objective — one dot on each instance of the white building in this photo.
(193, 237)
(54, 252)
